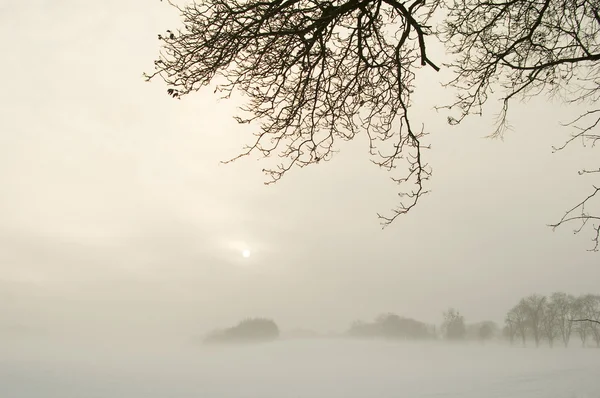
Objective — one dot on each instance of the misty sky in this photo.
(114, 208)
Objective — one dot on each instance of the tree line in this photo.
(554, 318)
(395, 327)
(392, 326)
(542, 319)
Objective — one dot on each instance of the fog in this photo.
(124, 240)
(317, 368)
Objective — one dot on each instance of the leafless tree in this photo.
(589, 308)
(510, 328)
(581, 312)
(550, 321)
(453, 326)
(534, 311)
(518, 318)
(564, 306)
(593, 325)
(318, 72)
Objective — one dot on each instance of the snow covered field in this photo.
(296, 369)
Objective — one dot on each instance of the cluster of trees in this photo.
(392, 326)
(455, 328)
(554, 318)
(247, 331)
(539, 318)
(551, 319)
(454, 325)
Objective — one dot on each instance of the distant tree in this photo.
(582, 329)
(486, 331)
(510, 329)
(554, 317)
(550, 322)
(580, 311)
(454, 325)
(589, 324)
(564, 306)
(474, 330)
(394, 326)
(534, 310)
(315, 73)
(363, 329)
(518, 318)
(391, 326)
(589, 316)
(248, 330)
(594, 317)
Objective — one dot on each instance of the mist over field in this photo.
(294, 368)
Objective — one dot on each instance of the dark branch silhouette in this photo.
(585, 320)
(522, 49)
(318, 72)
(579, 214)
(314, 73)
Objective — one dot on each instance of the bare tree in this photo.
(534, 310)
(454, 325)
(590, 309)
(594, 314)
(550, 322)
(318, 72)
(590, 324)
(564, 305)
(580, 310)
(510, 328)
(486, 331)
(518, 318)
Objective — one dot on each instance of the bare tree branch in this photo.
(519, 49)
(580, 215)
(585, 320)
(316, 72)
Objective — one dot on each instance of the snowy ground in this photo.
(295, 369)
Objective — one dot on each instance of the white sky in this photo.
(114, 206)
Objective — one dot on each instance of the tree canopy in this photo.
(318, 72)
(454, 325)
(555, 318)
(391, 326)
(248, 330)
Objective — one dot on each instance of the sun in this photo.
(246, 253)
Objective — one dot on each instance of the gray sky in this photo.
(114, 207)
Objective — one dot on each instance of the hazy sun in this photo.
(245, 253)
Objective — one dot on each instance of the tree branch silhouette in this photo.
(585, 320)
(316, 73)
